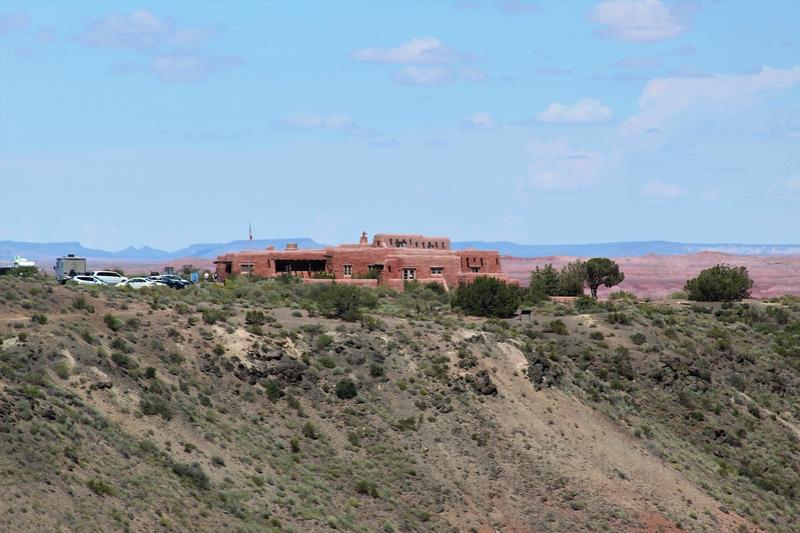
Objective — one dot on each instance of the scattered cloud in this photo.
(191, 68)
(304, 120)
(638, 62)
(643, 20)
(553, 71)
(437, 75)
(417, 51)
(584, 111)
(665, 100)
(479, 121)
(46, 35)
(139, 30)
(13, 22)
(556, 166)
(658, 189)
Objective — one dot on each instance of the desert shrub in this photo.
(638, 339)
(152, 404)
(219, 349)
(585, 304)
(193, 473)
(343, 301)
(618, 317)
(346, 389)
(39, 318)
(310, 431)
(150, 372)
(123, 360)
(556, 326)
(488, 297)
(113, 323)
(327, 362)
(367, 487)
(273, 390)
(100, 487)
(622, 295)
(406, 424)
(596, 336)
(720, 283)
(255, 318)
(211, 316)
(376, 370)
(323, 341)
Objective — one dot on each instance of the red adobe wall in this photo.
(487, 260)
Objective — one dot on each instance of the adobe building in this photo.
(390, 260)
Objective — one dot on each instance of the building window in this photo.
(246, 268)
(437, 271)
(348, 270)
(474, 269)
(409, 273)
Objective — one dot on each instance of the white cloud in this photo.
(190, 68)
(436, 75)
(584, 111)
(665, 100)
(417, 51)
(557, 166)
(479, 121)
(413, 75)
(642, 20)
(305, 120)
(657, 189)
(13, 22)
(139, 30)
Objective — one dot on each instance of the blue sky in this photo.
(163, 124)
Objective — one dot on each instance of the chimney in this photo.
(291, 246)
(363, 241)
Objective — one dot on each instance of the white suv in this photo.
(109, 277)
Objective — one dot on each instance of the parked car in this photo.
(173, 281)
(109, 277)
(176, 282)
(136, 283)
(83, 279)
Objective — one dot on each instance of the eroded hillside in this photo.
(238, 408)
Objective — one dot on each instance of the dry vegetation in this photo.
(242, 408)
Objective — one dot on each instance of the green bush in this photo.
(310, 431)
(193, 473)
(100, 487)
(346, 389)
(638, 339)
(152, 404)
(39, 318)
(488, 297)
(113, 323)
(211, 316)
(720, 283)
(255, 318)
(343, 301)
(556, 326)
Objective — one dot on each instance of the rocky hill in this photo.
(240, 408)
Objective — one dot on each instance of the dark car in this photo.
(171, 280)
